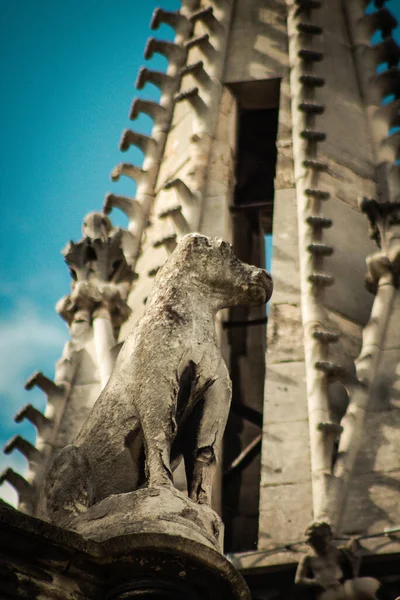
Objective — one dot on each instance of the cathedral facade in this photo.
(273, 120)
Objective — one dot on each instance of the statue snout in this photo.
(268, 284)
(262, 285)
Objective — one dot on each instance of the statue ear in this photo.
(224, 247)
(198, 242)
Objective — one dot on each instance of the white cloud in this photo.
(26, 337)
(8, 494)
(29, 341)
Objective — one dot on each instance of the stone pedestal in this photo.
(163, 560)
(160, 511)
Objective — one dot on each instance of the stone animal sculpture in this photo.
(321, 568)
(169, 393)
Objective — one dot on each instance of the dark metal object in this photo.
(249, 323)
(251, 205)
(248, 414)
(253, 448)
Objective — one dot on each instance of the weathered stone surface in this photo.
(285, 491)
(286, 458)
(347, 112)
(39, 560)
(381, 453)
(373, 504)
(169, 392)
(349, 345)
(347, 262)
(258, 43)
(216, 218)
(285, 512)
(152, 510)
(285, 334)
(285, 396)
(284, 165)
(285, 256)
(345, 185)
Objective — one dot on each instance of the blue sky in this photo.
(68, 72)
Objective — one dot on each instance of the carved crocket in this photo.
(169, 393)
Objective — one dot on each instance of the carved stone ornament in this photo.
(384, 223)
(101, 275)
(324, 568)
(167, 399)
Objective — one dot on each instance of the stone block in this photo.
(215, 216)
(285, 453)
(285, 257)
(251, 13)
(221, 169)
(285, 393)
(345, 119)
(257, 49)
(285, 512)
(178, 148)
(285, 218)
(349, 238)
(285, 334)
(372, 505)
(380, 447)
(340, 118)
(332, 19)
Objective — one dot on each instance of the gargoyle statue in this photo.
(169, 393)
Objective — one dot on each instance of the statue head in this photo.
(319, 536)
(96, 226)
(211, 264)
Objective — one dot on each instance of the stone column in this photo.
(102, 279)
(104, 342)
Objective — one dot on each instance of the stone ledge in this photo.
(40, 560)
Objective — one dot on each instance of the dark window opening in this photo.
(246, 327)
(256, 160)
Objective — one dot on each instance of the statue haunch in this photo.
(169, 393)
